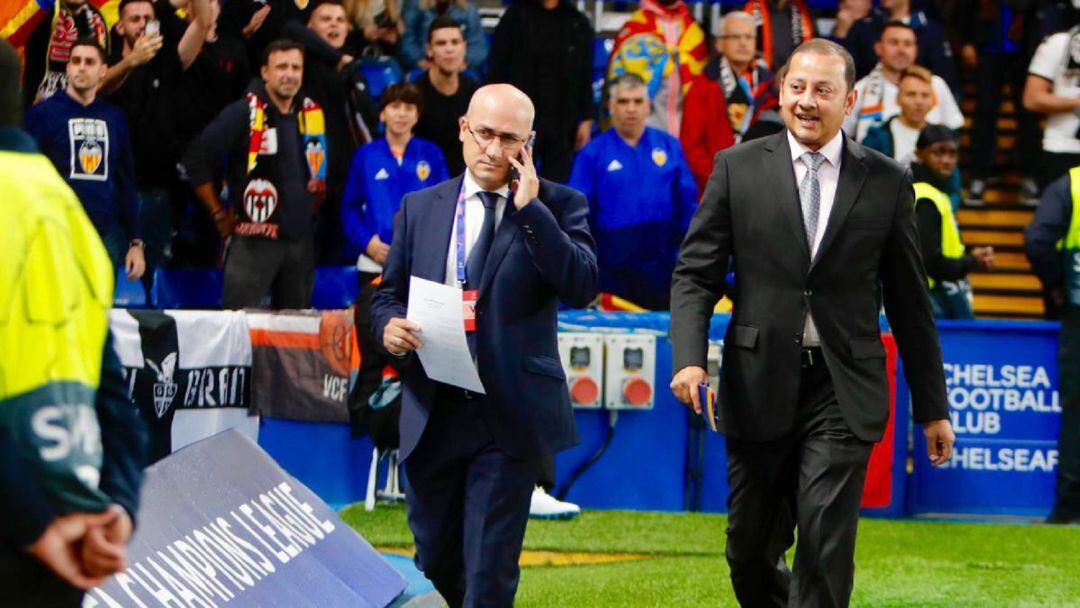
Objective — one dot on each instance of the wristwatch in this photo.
(137, 243)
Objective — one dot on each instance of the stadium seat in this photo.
(336, 287)
(380, 72)
(129, 294)
(198, 288)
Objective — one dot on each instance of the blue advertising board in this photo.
(1002, 381)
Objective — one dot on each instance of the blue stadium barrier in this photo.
(1002, 381)
(321, 455)
(191, 288)
(335, 287)
(1002, 378)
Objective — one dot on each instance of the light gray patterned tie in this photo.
(810, 195)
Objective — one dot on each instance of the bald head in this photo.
(500, 98)
(496, 126)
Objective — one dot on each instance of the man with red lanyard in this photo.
(516, 246)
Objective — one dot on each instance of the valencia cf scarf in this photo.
(260, 200)
(68, 26)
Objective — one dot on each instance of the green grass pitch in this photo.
(898, 563)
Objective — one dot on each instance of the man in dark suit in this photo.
(818, 230)
(471, 459)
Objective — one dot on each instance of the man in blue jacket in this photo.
(641, 198)
(87, 139)
(515, 246)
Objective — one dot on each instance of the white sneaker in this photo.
(546, 506)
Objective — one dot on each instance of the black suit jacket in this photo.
(541, 254)
(750, 218)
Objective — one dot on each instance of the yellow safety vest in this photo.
(1072, 237)
(56, 286)
(1070, 245)
(951, 245)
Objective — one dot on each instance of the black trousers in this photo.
(995, 69)
(256, 266)
(468, 506)
(26, 582)
(1067, 494)
(545, 472)
(811, 479)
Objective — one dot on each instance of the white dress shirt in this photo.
(474, 220)
(828, 178)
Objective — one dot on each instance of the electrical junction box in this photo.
(582, 356)
(630, 376)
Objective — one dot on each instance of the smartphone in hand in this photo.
(514, 174)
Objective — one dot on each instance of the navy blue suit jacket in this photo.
(541, 254)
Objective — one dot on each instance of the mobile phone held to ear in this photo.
(514, 174)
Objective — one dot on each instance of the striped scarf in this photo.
(312, 131)
(260, 198)
(802, 26)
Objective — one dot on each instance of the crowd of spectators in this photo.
(271, 126)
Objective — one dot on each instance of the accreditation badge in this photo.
(659, 157)
(468, 307)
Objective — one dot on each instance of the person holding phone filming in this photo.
(516, 247)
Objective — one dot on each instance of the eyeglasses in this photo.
(746, 37)
(485, 136)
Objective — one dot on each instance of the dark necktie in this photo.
(474, 267)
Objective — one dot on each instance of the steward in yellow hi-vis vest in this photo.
(71, 442)
(946, 259)
(55, 289)
(1052, 240)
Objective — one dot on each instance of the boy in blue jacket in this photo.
(384, 171)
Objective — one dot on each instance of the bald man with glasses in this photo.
(514, 245)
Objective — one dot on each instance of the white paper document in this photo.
(437, 308)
